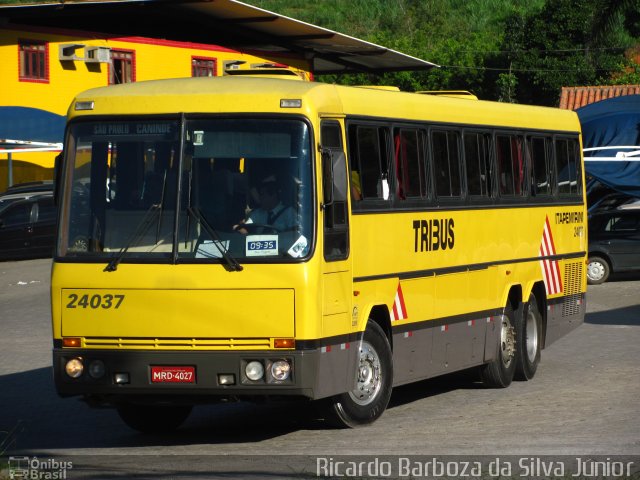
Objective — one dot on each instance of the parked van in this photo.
(614, 243)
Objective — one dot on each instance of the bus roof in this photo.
(242, 94)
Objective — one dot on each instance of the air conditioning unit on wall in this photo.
(67, 52)
(231, 65)
(97, 55)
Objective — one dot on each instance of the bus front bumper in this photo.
(110, 376)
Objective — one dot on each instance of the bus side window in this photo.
(477, 155)
(336, 217)
(369, 165)
(446, 161)
(511, 167)
(540, 167)
(568, 166)
(409, 161)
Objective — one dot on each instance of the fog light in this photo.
(96, 369)
(280, 370)
(74, 367)
(121, 378)
(254, 370)
(226, 379)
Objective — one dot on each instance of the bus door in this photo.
(337, 279)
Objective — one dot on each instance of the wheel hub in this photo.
(368, 378)
(595, 271)
(507, 341)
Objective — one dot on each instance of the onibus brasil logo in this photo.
(38, 469)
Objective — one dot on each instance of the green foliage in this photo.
(508, 50)
(628, 74)
(561, 48)
(506, 84)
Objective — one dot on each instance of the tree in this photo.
(557, 47)
(508, 50)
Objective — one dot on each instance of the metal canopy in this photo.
(228, 23)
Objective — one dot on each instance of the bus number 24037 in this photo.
(95, 301)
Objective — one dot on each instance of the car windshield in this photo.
(240, 191)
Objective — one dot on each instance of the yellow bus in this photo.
(244, 237)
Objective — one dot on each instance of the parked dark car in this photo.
(614, 243)
(24, 190)
(45, 186)
(28, 228)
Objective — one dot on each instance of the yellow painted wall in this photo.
(154, 59)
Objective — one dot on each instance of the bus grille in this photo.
(573, 272)
(178, 343)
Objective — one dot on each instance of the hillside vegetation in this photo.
(514, 51)
(508, 50)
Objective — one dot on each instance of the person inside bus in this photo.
(271, 211)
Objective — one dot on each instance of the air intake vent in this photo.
(573, 273)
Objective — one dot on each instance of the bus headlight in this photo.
(254, 370)
(74, 367)
(96, 369)
(280, 370)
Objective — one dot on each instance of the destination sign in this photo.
(164, 129)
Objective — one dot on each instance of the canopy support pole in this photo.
(9, 170)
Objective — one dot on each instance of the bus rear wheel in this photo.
(374, 378)
(529, 341)
(500, 371)
(153, 418)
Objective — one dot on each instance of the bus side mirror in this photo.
(339, 176)
(57, 177)
(327, 177)
(334, 176)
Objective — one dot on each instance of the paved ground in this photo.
(584, 400)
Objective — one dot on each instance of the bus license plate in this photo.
(173, 374)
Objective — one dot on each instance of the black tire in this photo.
(500, 371)
(598, 270)
(374, 379)
(153, 418)
(528, 340)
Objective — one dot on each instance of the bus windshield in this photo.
(232, 190)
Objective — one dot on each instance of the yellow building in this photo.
(44, 68)
(49, 52)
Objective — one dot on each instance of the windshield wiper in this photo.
(142, 228)
(231, 264)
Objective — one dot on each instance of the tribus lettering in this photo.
(432, 235)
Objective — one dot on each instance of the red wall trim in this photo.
(108, 36)
(147, 41)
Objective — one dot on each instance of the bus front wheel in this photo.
(366, 402)
(500, 371)
(153, 418)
